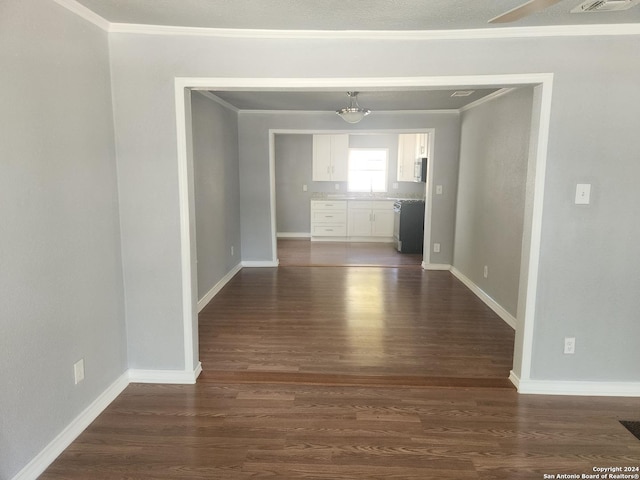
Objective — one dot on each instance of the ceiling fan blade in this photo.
(523, 10)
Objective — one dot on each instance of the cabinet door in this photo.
(321, 159)
(407, 147)
(382, 225)
(339, 157)
(359, 222)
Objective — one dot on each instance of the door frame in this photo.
(533, 209)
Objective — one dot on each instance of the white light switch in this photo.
(583, 193)
(438, 189)
(304, 188)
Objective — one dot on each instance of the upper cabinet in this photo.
(330, 154)
(411, 147)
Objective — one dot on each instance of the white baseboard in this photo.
(217, 287)
(353, 239)
(482, 295)
(49, 453)
(436, 266)
(260, 263)
(293, 235)
(572, 387)
(165, 376)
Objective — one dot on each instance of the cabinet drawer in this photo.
(329, 230)
(328, 216)
(328, 205)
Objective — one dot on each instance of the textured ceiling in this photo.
(343, 14)
(331, 101)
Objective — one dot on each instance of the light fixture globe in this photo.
(354, 112)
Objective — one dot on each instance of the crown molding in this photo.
(487, 98)
(83, 12)
(461, 34)
(218, 100)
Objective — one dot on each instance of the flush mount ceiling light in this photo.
(354, 112)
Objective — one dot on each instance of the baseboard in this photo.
(217, 287)
(581, 388)
(165, 376)
(436, 266)
(293, 235)
(49, 453)
(260, 263)
(482, 295)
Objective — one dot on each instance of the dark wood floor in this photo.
(349, 373)
(303, 252)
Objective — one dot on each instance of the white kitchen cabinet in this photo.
(370, 218)
(411, 146)
(328, 218)
(330, 156)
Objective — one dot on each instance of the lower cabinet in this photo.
(352, 220)
(370, 218)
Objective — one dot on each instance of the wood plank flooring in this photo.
(332, 373)
(240, 432)
(364, 321)
(303, 252)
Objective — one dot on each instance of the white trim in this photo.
(544, 80)
(293, 235)
(260, 263)
(487, 98)
(188, 314)
(218, 100)
(586, 388)
(482, 295)
(49, 453)
(394, 35)
(429, 196)
(272, 195)
(85, 13)
(217, 287)
(177, 377)
(436, 266)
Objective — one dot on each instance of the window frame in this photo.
(385, 171)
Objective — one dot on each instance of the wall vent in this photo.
(604, 6)
(465, 93)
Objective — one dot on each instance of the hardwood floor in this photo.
(303, 252)
(365, 321)
(339, 373)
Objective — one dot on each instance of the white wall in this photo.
(494, 148)
(217, 190)
(587, 288)
(60, 263)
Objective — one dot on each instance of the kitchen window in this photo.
(367, 169)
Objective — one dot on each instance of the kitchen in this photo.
(340, 189)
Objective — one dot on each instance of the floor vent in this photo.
(633, 427)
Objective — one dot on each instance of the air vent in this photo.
(465, 93)
(604, 6)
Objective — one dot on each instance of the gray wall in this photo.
(494, 147)
(254, 169)
(293, 158)
(588, 279)
(60, 264)
(217, 190)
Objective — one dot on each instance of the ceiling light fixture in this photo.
(354, 112)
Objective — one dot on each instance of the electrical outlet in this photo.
(438, 189)
(394, 186)
(78, 371)
(569, 345)
(337, 186)
(436, 248)
(304, 188)
(486, 271)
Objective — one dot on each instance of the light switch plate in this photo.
(438, 189)
(583, 194)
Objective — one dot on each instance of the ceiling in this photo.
(329, 16)
(331, 101)
(337, 15)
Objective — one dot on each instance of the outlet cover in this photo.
(436, 248)
(569, 345)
